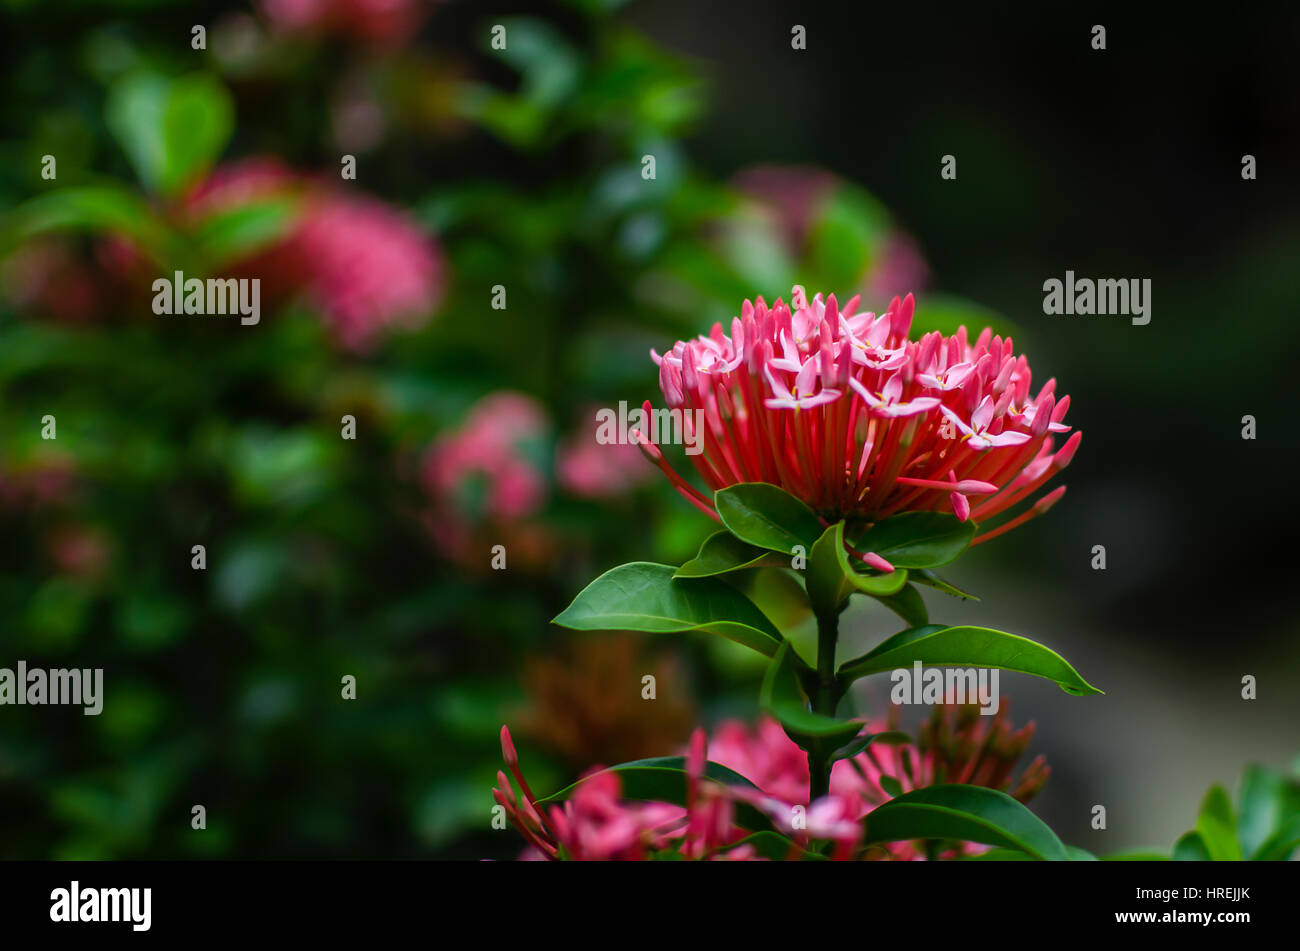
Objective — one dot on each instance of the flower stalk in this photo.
(825, 698)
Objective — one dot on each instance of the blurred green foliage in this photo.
(223, 684)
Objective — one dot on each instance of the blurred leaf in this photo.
(1191, 848)
(172, 130)
(237, 232)
(93, 209)
(846, 237)
(776, 848)
(1267, 800)
(947, 313)
(1217, 826)
(852, 749)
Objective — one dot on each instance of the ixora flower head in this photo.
(843, 411)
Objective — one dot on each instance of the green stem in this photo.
(825, 697)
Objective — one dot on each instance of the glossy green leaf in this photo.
(965, 813)
(642, 596)
(918, 539)
(767, 516)
(937, 646)
(664, 779)
(928, 578)
(783, 698)
(875, 583)
(858, 744)
(824, 577)
(722, 552)
(908, 604)
(831, 577)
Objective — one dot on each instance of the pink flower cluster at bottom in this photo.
(956, 745)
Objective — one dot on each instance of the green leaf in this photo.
(171, 130)
(860, 743)
(92, 209)
(776, 847)
(783, 698)
(642, 596)
(1218, 826)
(767, 516)
(663, 779)
(1191, 848)
(928, 578)
(1267, 799)
(1150, 856)
(918, 539)
(831, 577)
(1012, 855)
(965, 813)
(937, 646)
(723, 552)
(230, 235)
(1281, 844)
(891, 785)
(908, 605)
(824, 578)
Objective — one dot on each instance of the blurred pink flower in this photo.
(379, 21)
(593, 470)
(363, 264)
(46, 277)
(489, 474)
(80, 551)
(368, 267)
(47, 480)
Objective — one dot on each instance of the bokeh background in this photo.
(479, 169)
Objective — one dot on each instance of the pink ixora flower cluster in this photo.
(841, 409)
(364, 265)
(378, 21)
(956, 745)
(494, 474)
